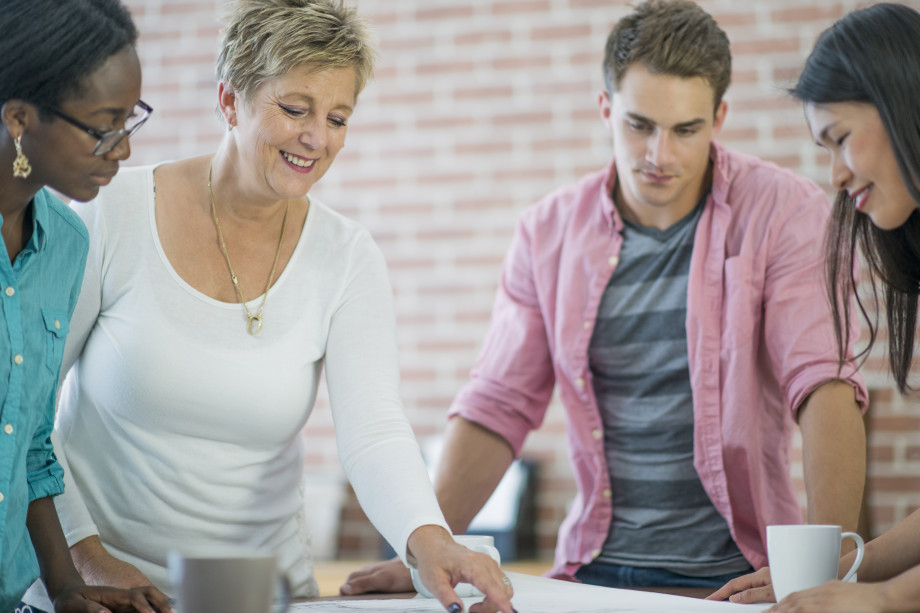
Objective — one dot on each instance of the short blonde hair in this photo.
(265, 39)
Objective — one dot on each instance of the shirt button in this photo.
(17, 359)
(607, 493)
(614, 260)
(8, 428)
(1, 496)
(57, 324)
(597, 434)
(10, 291)
(595, 553)
(580, 382)
(587, 325)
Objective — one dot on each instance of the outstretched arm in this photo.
(514, 369)
(834, 449)
(473, 462)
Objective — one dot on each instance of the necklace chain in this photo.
(254, 324)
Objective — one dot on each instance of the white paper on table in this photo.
(541, 595)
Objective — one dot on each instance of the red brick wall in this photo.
(479, 108)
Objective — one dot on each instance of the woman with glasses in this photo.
(860, 87)
(217, 290)
(108, 140)
(65, 63)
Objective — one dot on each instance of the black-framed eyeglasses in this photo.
(109, 140)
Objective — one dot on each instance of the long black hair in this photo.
(873, 55)
(50, 46)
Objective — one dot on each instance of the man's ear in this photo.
(604, 106)
(719, 119)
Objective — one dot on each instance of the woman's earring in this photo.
(21, 166)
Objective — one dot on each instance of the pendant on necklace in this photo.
(255, 324)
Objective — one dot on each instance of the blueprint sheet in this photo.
(541, 595)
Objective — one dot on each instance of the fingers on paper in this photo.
(751, 588)
(494, 584)
(388, 576)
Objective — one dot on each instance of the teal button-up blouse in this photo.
(38, 291)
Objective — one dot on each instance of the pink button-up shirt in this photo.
(759, 335)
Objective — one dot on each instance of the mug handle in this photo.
(860, 551)
(285, 588)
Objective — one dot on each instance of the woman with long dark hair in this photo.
(861, 91)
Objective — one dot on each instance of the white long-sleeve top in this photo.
(180, 430)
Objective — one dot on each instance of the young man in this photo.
(673, 298)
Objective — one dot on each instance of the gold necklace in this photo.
(255, 321)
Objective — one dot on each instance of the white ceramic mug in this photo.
(481, 544)
(806, 556)
(244, 583)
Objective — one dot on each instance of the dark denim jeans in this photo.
(614, 575)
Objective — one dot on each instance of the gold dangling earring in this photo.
(21, 167)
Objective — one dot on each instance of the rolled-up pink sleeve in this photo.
(512, 381)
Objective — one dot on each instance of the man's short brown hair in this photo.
(669, 37)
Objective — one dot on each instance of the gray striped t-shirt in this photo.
(662, 517)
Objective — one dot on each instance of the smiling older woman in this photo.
(216, 291)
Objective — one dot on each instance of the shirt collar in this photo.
(611, 215)
(40, 219)
(718, 188)
(720, 172)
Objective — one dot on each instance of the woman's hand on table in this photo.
(841, 598)
(389, 576)
(443, 563)
(900, 593)
(98, 567)
(93, 599)
(747, 589)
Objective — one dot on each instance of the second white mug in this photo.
(806, 556)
